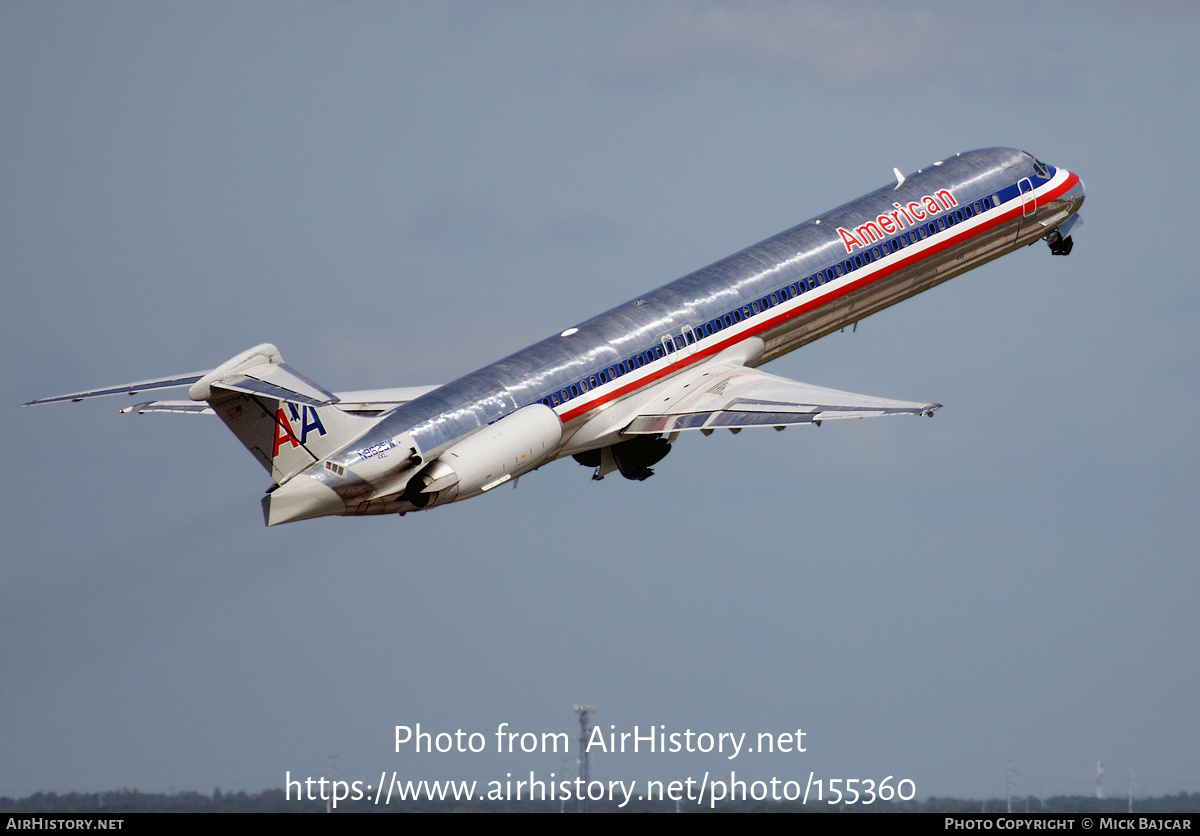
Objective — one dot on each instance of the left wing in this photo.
(732, 396)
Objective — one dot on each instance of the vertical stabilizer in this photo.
(286, 420)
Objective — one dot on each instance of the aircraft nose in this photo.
(1077, 193)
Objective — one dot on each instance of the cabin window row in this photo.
(670, 344)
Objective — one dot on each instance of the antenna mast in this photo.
(584, 772)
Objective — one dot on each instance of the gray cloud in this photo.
(454, 221)
(845, 44)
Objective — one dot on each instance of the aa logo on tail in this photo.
(305, 416)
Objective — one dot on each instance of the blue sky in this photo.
(396, 194)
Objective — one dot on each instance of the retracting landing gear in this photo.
(633, 457)
(1058, 244)
(1059, 238)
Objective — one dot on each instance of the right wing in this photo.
(732, 396)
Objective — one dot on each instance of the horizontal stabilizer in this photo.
(363, 402)
(126, 389)
(379, 400)
(735, 397)
(169, 406)
(278, 381)
(260, 371)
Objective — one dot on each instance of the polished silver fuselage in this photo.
(607, 391)
(790, 289)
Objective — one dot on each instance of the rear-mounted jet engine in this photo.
(497, 453)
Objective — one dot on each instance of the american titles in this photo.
(902, 217)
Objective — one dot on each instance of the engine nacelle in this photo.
(513, 445)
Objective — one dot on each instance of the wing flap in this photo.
(736, 397)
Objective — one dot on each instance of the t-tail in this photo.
(286, 421)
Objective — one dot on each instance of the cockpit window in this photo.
(1040, 168)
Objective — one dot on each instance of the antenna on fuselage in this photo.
(899, 178)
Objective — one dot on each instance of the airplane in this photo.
(615, 392)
